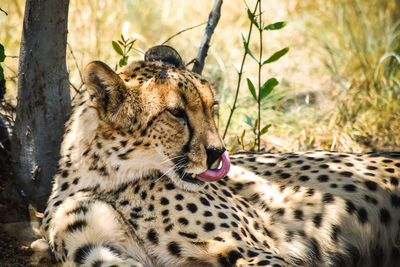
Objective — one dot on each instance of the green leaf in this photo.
(244, 41)
(267, 87)
(251, 54)
(255, 126)
(252, 89)
(122, 38)
(247, 48)
(1, 73)
(238, 140)
(123, 61)
(251, 18)
(265, 129)
(276, 26)
(117, 48)
(243, 134)
(2, 53)
(248, 121)
(276, 55)
(130, 45)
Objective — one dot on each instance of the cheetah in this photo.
(143, 181)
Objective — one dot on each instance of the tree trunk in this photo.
(43, 97)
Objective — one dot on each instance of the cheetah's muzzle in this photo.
(210, 175)
(217, 174)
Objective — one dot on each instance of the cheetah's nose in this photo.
(213, 154)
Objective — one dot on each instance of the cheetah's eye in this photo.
(178, 113)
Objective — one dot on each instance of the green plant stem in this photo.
(240, 75)
(260, 30)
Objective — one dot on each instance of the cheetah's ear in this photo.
(104, 85)
(166, 55)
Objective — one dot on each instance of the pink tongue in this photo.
(215, 175)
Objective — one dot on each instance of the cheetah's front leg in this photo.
(91, 233)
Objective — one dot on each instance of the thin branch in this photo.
(138, 50)
(191, 62)
(76, 62)
(74, 87)
(13, 71)
(182, 31)
(213, 19)
(3, 11)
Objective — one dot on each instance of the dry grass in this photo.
(337, 92)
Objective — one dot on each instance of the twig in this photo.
(138, 50)
(182, 31)
(75, 61)
(240, 74)
(74, 87)
(13, 71)
(3, 11)
(191, 61)
(213, 19)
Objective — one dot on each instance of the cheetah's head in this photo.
(156, 116)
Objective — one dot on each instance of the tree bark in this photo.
(43, 98)
(213, 19)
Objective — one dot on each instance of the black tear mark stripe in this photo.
(191, 131)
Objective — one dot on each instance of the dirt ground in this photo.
(17, 231)
(12, 252)
(15, 248)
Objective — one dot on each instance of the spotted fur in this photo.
(124, 196)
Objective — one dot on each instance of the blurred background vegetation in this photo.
(339, 84)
